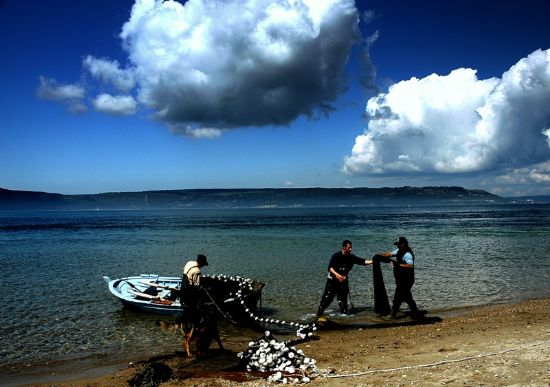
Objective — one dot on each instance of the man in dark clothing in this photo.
(190, 295)
(403, 271)
(337, 282)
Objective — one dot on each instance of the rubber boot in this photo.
(320, 311)
(415, 313)
(393, 313)
(343, 307)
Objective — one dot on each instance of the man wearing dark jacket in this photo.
(337, 284)
(403, 271)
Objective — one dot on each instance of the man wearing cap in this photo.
(403, 271)
(191, 286)
(337, 284)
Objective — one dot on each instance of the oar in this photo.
(147, 296)
(147, 283)
(132, 285)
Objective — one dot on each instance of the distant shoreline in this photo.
(244, 198)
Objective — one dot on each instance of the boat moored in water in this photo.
(234, 297)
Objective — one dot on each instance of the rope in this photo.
(304, 330)
(437, 363)
(219, 309)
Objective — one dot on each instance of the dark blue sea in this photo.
(57, 311)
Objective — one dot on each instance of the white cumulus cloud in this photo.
(71, 95)
(225, 64)
(205, 66)
(539, 173)
(459, 124)
(51, 90)
(109, 72)
(121, 105)
(197, 133)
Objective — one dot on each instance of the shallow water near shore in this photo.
(57, 309)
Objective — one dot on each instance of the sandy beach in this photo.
(489, 345)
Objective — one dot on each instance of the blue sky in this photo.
(102, 96)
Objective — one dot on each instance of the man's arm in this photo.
(394, 262)
(362, 261)
(339, 277)
(404, 265)
(389, 254)
(408, 259)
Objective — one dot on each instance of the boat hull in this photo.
(233, 297)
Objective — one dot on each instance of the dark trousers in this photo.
(191, 303)
(403, 294)
(338, 289)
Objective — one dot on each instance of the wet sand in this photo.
(488, 345)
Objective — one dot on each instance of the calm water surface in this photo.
(57, 309)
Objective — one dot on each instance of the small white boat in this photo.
(151, 293)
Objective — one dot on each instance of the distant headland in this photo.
(12, 200)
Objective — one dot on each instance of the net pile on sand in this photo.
(286, 364)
